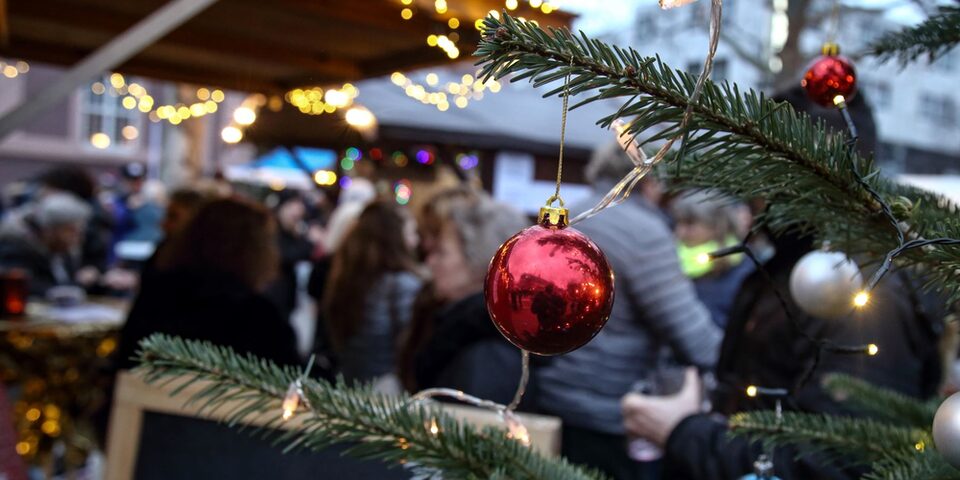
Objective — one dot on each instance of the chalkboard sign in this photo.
(183, 448)
(154, 436)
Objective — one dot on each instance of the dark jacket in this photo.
(718, 290)
(466, 352)
(283, 291)
(762, 347)
(212, 306)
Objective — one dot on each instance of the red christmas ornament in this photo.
(549, 289)
(829, 76)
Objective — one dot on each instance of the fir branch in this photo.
(740, 143)
(857, 440)
(382, 427)
(882, 403)
(928, 465)
(932, 38)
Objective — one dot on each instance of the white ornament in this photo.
(823, 284)
(946, 430)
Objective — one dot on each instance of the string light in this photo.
(861, 299)
(511, 4)
(406, 14)
(100, 140)
(316, 101)
(440, 6)
(244, 115)
(137, 97)
(872, 350)
(752, 391)
(360, 118)
(231, 134)
(325, 177)
(434, 428)
(130, 132)
(453, 23)
(703, 258)
(467, 89)
(12, 70)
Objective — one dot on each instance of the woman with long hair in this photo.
(209, 286)
(370, 291)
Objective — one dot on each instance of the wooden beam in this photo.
(121, 48)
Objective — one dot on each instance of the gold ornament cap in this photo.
(553, 217)
(830, 49)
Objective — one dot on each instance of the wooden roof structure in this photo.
(266, 46)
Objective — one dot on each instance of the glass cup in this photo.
(665, 380)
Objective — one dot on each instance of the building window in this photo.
(718, 74)
(104, 121)
(938, 109)
(878, 93)
(945, 63)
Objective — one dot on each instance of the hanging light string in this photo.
(822, 344)
(902, 243)
(563, 132)
(294, 395)
(642, 165)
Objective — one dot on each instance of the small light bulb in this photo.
(839, 100)
(703, 258)
(434, 428)
(861, 299)
(752, 391)
(290, 402)
(872, 349)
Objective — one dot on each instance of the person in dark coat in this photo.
(453, 343)
(45, 241)
(762, 347)
(209, 287)
(293, 247)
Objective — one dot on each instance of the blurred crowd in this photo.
(400, 304)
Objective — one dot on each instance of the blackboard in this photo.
(177, 447)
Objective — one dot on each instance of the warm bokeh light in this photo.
(100, 140)
(203, 94)
(116, 80)
(10, 71)
(512, 4)
(130, 132)
(453, 23)
(217, 96)
(325, 177)
(129, 103)
(360, 117)
(231, 134)
(872, 349)
(752, 391)
(861, 299)
(406, 14)
(244, 116)
(98, 88)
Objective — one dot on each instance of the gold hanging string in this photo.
(563, 131)
(834, 28)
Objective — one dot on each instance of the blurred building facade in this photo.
(916, 108)
(94, 129)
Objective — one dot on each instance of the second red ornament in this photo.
(830, 76)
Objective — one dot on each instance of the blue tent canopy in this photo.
(314, 158)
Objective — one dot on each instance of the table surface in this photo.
(97, 314)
